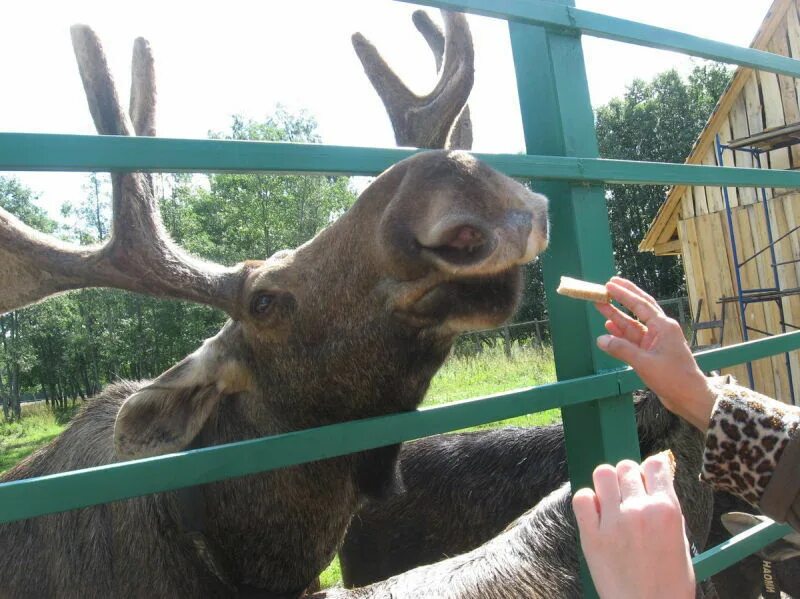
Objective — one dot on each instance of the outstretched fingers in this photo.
(620, 324)
(636, 290)
(641, 304)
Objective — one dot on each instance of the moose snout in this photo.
(521, 237)
(466, 244)
(456, 215)
(538, 238)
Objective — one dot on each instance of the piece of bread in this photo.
(673, 465)
(578, 289)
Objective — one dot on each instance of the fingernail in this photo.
(603, 342)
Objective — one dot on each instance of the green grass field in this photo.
(460, 378)
(39, 426)
(491, 372)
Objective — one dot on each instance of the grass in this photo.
(332, 575)
(492, 372)
(460, 378)
(39, 425)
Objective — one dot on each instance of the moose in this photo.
(490, 478)
(352, 324)
(462, 489)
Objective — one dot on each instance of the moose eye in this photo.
(261, 304)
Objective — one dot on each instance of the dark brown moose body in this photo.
(352, 324)
(461, 490)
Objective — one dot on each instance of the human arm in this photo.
(747, 434)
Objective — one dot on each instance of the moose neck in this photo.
(317, 498)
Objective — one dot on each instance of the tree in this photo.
(247, 216)
(654, 121)
(20, 201)
(16, 351)
(91, 218)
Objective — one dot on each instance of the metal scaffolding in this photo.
(756, 146)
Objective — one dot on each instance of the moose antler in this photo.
(139, 256)
(460, 137)
(439, 119)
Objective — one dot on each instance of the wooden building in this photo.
(757, 123)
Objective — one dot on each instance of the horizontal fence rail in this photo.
(60, 492)
(91, 153)
(548, 14)
(733, 550)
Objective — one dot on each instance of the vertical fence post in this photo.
(558, 120)
(507, 341)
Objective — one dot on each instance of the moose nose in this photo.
(475, 246)
(459, 244)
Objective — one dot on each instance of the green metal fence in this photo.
(593, 392)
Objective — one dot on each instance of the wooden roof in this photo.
(664, 226)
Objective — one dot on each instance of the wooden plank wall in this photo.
(767, 100)
(710, 274)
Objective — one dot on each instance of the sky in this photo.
(216, 59)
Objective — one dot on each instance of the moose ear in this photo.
(738, 522)
(785, 548)
(164, 416)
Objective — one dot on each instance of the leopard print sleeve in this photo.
(747, 435)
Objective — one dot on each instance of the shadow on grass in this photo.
(64, 415)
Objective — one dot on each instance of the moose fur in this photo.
(489, 478)
(535, 557)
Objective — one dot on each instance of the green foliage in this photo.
(20, 201)
(332, 575)
(240, 217)
(72, 345)
(17, 354)
(656, 121)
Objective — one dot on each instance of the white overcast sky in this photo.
(215, 59)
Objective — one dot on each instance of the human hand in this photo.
(632, 532)
(654, 345)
